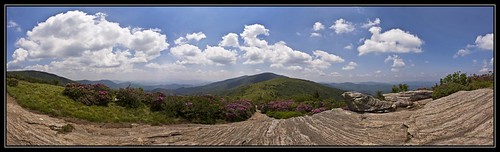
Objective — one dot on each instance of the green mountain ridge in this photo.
(284, 88)
(44, 76)
(221, 86)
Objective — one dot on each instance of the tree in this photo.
(395, 89)
(403, 87)
(316, 94)
(378, 95)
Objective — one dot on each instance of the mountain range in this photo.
(253, 86)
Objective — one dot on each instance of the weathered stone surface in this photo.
(408, 95)
(463, 118)
(365, 103)
(405, 99)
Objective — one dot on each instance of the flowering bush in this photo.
(97, 94)
(278, 106)
(130, 97)
(318, 110)
(303, 108)
(155, 100)
(238, 110)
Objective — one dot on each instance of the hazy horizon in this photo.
(209, 44)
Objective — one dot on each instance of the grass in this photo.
(283, 114)
(48, 99)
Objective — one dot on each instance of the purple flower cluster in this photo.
(238, 110)
(88, 94)
(280, 105)
(318, 110)
(304, 108)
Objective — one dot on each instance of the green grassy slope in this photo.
(49, 99)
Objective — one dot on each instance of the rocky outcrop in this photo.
(364, 103)
(464, 118)
(407, 99)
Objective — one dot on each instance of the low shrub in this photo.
(318, 110)
(447, 89)
(97, 94)
(130, 97)
(283, 114)
(303, 108)
(12, 82)
(155, 101)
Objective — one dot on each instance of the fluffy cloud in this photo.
(327, 57)
(12, 24)
(230, 39)
(294, 68)
(482, 42)
(342, 26)
(485, 42)
(89, 41)
(348, 47)
(315, 35)
(485, 68)
(461, 52)
(491, 62)
(378, 71)
(250, 34)
(195, 36)
(397, 62)
(335, 74)
(350, 66)
(279, 55)
(318, 26)
(171, 67)
(370, 23)
(393, 41)
(189, 54)
(219, 55)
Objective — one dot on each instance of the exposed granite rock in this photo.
(405, 99)
(464, 118)
(365, 103)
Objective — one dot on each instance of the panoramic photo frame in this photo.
(305, 76)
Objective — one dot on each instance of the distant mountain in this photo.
(114, 85)
(217, 87)
(366, 88)
(44, 76)
(372, 87)
(162, 90)
(284, 87)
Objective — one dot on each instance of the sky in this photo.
(206, 44)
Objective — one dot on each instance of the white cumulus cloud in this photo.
(90, 42)
(370, 23)
(315, 35)
(12, 24)
(250, 34)
(462, 53)
(219, 55)
(342, 26)
(485, 42)
(348, 47)
(230, 39)
(392, 41)
(196, 36)
(397, 62)
(350, 66)
(318, 26)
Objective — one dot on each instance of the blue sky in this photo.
(199, 44)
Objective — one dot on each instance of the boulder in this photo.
(405, 99)
(365, 103)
